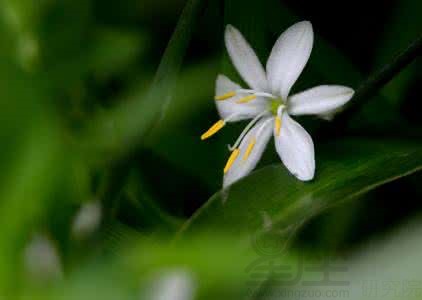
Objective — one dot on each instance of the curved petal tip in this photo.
(289, 56)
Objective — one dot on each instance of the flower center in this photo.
(274, 104)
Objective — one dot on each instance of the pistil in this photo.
(274, 105)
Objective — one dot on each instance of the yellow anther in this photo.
(213, 129)
(225, 96)
(246, 99)
(249, 149)
(231, 160)
(277, 125)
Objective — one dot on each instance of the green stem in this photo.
(375, 82)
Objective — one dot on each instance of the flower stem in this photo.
(375, 82)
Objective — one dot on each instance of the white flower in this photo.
(269, 104)
(87, 220)
(172, 284)
(41, 259)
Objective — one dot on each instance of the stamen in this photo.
(231, 160)
(280, 109)
(266, 95)
(246, 99)
(246, 91)
(213, 129)
(225, 96)
(259, 94)
(265, 124)
(247, 128)
(249, 149)
(277, 125)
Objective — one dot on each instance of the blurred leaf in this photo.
(388, 269)
(181, 151)
(25, 196)
(142, 210)
(114, 51)
(218, 267)
(191, 96)
(22, 18)
(121, 129)
(32, 164)
(332, 230)
(272, 199)
(118, 236)
(184, 121)
(95, 281)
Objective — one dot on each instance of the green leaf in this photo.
(271, 198)
(122, 128)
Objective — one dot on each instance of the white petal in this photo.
(329, 116)
(241, 167)
(245, 60)
(228, 107)
(86, 220)
(41, 259)
(320, 100)
(289, 56)
(174, 284)
(295, 148)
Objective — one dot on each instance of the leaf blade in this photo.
(285, 201)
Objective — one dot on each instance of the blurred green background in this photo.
(107, 192)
